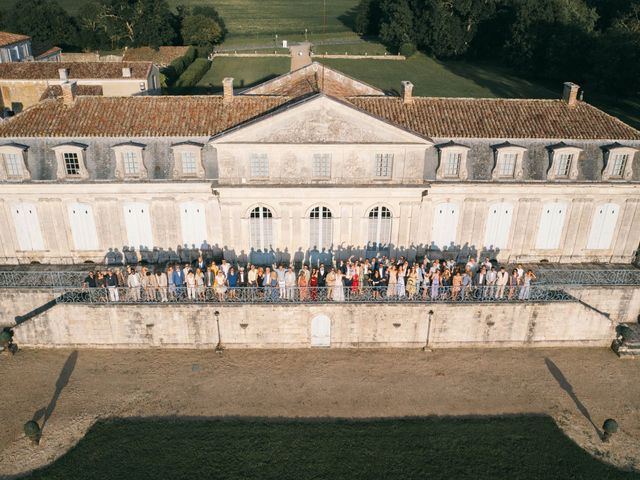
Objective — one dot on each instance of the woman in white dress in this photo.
(221, 285)
(338, 288)
(400, 290)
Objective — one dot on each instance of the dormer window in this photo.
(259, 165)
(453, 161)
(188, 160)
(618, 162)
(71, 162)
(564, 162)
(508, 162)
(129, 161)
(12, 162)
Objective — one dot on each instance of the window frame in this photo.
(557, 152)
(383, 171)
(71, 148)
(501, 152)
(265, 231)
(321, 171)
(378, 216)
(324, 227)
(259, 168)
(121, 151)
(20, 152)
(444, 152)
(611, 153)
(179, 149)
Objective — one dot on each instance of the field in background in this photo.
(517, 447)
(245, 71)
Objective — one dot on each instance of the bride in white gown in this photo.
(338, 290)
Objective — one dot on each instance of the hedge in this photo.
(194, 73)
(178, 66)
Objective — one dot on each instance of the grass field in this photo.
(518, 448)
(245, 71)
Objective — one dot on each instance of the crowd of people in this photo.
(375, 279)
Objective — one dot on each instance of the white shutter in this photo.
(138, 223)
(445, 225)
(25, 216)
(83, 226)
(194, 223)
(551, 225)
(498, 225)
(603, 226)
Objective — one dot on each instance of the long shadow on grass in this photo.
(63, 380)
(567, 387)
(516, 447)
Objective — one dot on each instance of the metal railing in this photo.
(311, 295)
(589, 277)
(41, 279)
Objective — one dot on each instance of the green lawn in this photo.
(245, 71)
(517, 448)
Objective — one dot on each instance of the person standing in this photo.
(282, 284)
(492, 277)
(232, 282)
(133, 283)
(112, 286)
(313, 284)
(525, 290)
(191, 285)
(501, 282)
(162, 285)
(302, 286)
(392, 281)
(221, 285)
(338, 287)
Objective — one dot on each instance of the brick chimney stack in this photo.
(407, 92)
(69, 92)
(570, 93)
(227, 89)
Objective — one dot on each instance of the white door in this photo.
(83, 226)
(445, 225)
(25, 218)
(194, 223)
(603, 225)
(498, 225)
(138, 223)
(551, 225)
(321, 331)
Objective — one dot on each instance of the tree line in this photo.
(593, 42)
(113, 24)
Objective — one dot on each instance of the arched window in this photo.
(379, 226)
(321, 228)
(261, 228)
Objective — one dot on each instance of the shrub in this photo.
(177, 67)
(407, 49)
(194, 73)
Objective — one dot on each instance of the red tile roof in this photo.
(149, 116)
(7, 38)
(77, 70)
(48, 53)
(54, 91)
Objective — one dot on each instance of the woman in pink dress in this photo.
(313, 283)
(302, 287)
(354, 283)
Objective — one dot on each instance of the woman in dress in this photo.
(435, 285)
(400, 285)
(302, 286)
(260, 282)
(355, 282)
(221, 285)
(525, 290)
(232, 281)
(412, 281)
(338, 287)
(200, 284)
(457, 283)
(191, 285)
(513, 283)
(273, 285)
(313, 284)
(376, 283)
(392, 282)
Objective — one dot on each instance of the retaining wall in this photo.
(289, 326)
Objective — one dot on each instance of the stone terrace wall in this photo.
(621, 303)
(289, 326)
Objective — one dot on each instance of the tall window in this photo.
(130, 163)
(384, 164)
(322, 165)
(452, 165)
(379, 226)
(71, 163)
(13, 165)
(564, 164)
(189, 163)
(261, 228)
(619, 164)
(321, 228)
(259, 165)
(508, 164)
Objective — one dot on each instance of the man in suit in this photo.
(242, 278)
(201, 264)
(178, 280)
(480, 282)
(322, 276)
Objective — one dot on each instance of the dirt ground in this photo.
(71, 389)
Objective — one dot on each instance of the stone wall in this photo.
(290, 326)
(16, 302)
(622, 303)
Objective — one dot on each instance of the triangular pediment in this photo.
(319, 120)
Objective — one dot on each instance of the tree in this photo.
(45, 21)
(396, 26)
(201, 30)
(368, 15)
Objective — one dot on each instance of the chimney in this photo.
(64, 74)
(407, 92)
(227, 89)
(69, 92)
(126, 72)
(570, 93)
